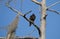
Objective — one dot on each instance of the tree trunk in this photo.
(43, 19)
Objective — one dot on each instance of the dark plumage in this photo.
(32, 18)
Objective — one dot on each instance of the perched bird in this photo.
(32, 18)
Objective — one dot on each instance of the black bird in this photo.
(32, 18)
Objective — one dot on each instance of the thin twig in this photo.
(28, 12)
(21, 5)
(31, 32)
(13, 9)
(53, 4)
(8, 1)
(18, 12)
(53, 11)
(34, 25)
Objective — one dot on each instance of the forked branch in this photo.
(53, 4)
(23, 15)
(53, 11)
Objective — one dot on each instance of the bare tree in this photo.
(44, 15)
(42, 28)
(23, 15)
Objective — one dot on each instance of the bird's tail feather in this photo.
(30, 24)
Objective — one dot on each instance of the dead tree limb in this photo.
(48, 8)
(53, 4)
(43, 18)
(24, 16)
(53, 11)
(12, 28)
(28, 12)
(43, 15)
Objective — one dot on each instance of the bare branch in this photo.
(39, 3)
(13, 9)
(12, 27)
(9, 1)
(18, 12)
(21, 6)
(53, 11)
(53, 4)
(31, 32)
(34, 25)
(28, 12)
